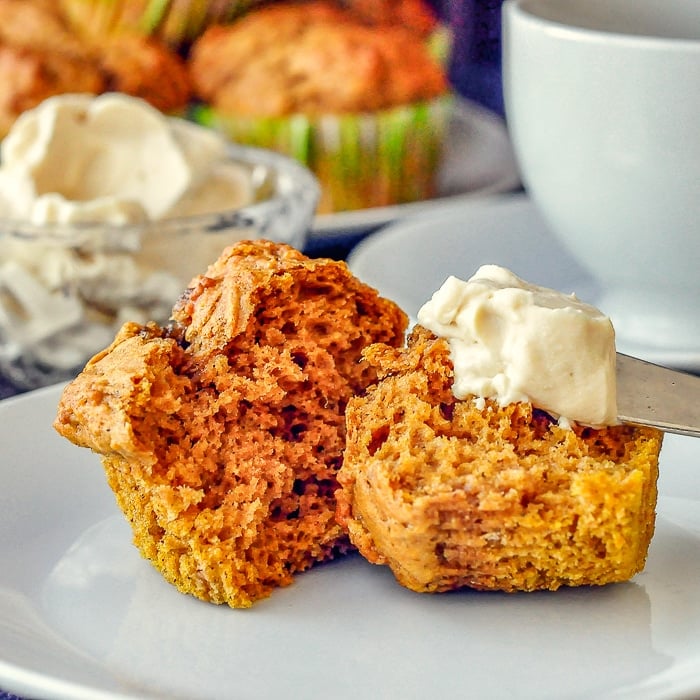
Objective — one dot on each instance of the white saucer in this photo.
(479, 161)
(409, 260)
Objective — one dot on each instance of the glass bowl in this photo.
(66, 289)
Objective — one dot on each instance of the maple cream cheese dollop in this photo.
(113, 158)
(514, 341)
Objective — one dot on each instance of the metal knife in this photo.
(663, 398)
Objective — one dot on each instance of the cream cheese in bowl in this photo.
(115, 159)
(108, 208)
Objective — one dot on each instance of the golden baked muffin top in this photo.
(311, 58)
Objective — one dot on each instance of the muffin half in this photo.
(449, 493)
(222, 434)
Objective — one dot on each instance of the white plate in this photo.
(409, 260)
(478, 161)
(82, 615)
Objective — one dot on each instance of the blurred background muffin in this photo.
(347, 89)
(41, 56)
(352, 89)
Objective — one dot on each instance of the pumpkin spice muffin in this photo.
(363, 105)
(42, 55)
(451, 493)
(39, 58)
(222, 434)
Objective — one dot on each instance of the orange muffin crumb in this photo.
(448, 494)
(222, 434)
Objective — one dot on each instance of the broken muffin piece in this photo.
(222, 434)
(454, 493)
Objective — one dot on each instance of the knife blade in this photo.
(648, 394)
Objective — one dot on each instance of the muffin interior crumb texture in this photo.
(222, 434)
(499, 498)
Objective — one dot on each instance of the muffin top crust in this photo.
(313, 58)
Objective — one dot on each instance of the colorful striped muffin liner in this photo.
(361, 160)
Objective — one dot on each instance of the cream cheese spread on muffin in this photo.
(514, 341)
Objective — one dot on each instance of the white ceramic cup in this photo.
(602, 103)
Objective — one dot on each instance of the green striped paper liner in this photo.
(361, 160)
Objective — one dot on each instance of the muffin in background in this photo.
(39, 58)
(176, 22)
(42, 55)
(363, 105)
